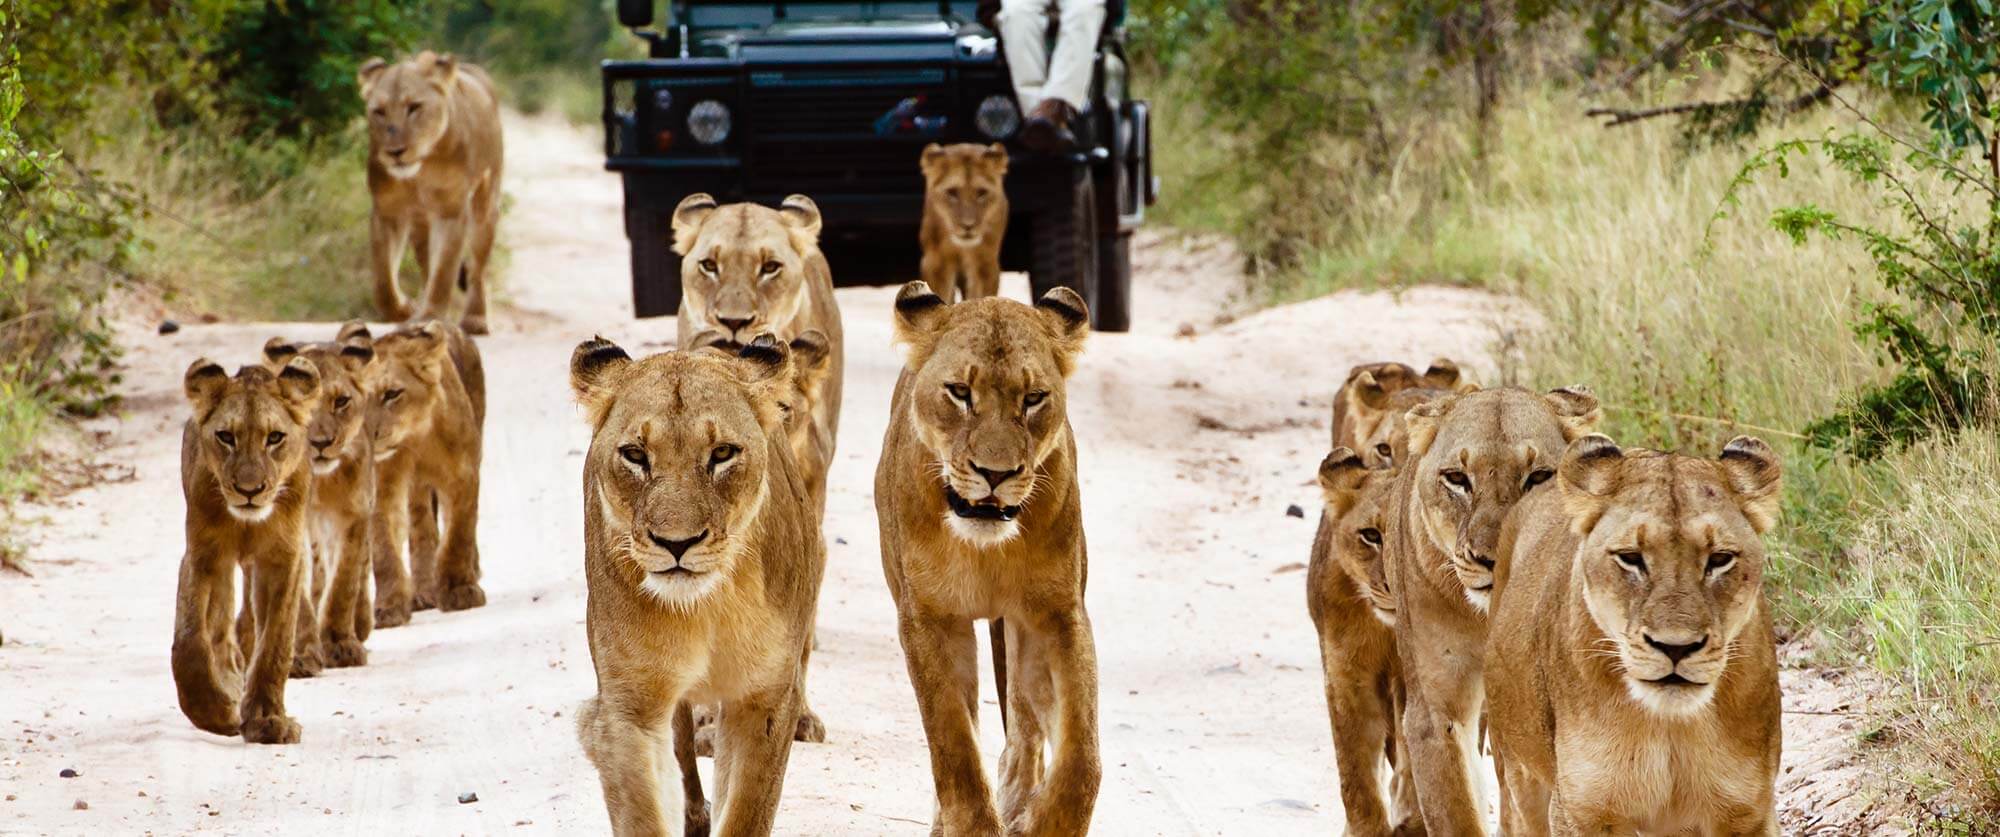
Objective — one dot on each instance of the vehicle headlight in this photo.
(708, 122)
(663, 100)
(997, 117)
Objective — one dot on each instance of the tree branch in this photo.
(1620, 116)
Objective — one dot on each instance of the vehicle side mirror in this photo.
(633, 14)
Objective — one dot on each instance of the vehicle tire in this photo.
(1065, 238)
(1112, 311)
(656, 268)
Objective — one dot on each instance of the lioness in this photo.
(965, 218)
(1632, 676)
(427, 434)
(1361, 405)
(703, 564)
(434, 172)
(1347, 594)
(334, 616)
(245, 478)
(977, 497)
(1469, 458)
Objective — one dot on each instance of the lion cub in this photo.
(703, 562)
(1347, 594)
(434, 175)
(1632, 676)
(427, 433)
(1468, 459)
(334, 615)
(981, 518)
(965, 218)
(1363, 404)
(246, 481)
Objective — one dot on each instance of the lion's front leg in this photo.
(940, 271)
(423, 544)
(1069, 791)
(1030, 692)
(393, 587)
(982, 275)
(205, 678)
(943, 659)
(386, 239)
(447, 257)
(1353, 664)
(346, 595)
(458, 552)
(1441, 723)
(693, 801)
(753, 745)
(628, 741)
(275, 579)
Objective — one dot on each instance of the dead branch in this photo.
(1620, 116)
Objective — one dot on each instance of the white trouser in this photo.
(1024, 26)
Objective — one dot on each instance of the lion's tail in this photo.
(998, 629)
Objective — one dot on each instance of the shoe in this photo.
(1048, 130)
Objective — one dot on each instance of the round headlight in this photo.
(708, 122)
(997, 117)
(663, 100)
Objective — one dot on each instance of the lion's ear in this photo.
(918, 312)
(204, 384)
(1420, 426)
(932, 159)
(802, 215)
(1341, 476)
(995, 157)
(812, 360)
(1589, 474)
(353, 330)
(688, 218)
(1757, 478)
(442, 69)
(279, 350)
(594, 369)
(1576, 408)
(1370, 392)
(1071, 318)
(770, 362)
(357, 354)
(1443, 374)
(370, 72)
(298, 382)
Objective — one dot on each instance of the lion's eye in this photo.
(413, 108)
(721, 454)
(1457, 479)
(1631, 560)
(1383, 450)
(772, 267)
(226, 438)
(708, 266)
(982, 195)
(1035, 398)
(391, 395)
(1371, 536)
(960, 393)
(633, 454)
(340, 403)
(1537, 477)
(274, 439)
(1720, 560)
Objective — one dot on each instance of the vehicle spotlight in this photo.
(998, 118)
(663, 99)
(708, 122)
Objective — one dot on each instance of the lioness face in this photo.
(680, 458)
(346, 376)
(1672, 558)
(408, 109)
(1375, 401)
(987, 384)
(1475, 455)
(413, 365)
(810, 368)
(1382, 446)
(1356, 502)
(743, 266)
(965, 188)
(250, 430)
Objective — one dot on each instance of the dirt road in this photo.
(1192, 449)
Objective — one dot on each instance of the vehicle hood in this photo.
(886, 38)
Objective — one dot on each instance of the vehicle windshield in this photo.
(710, 14)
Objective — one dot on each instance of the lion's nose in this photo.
(736, 325)
(1677, 652)
(995, 478)
(677, 548)
(321, 445)
(397, 152)
(1481, 559)
(251, 493)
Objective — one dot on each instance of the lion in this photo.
(1632, 674)
(1361, 405)
(434, 156)
(427, 433)
(965, 218)
(334, 613)
(703, 563)
(1382, 447)
(246, 481)
(1347, 594)
(1468, 459)
(981, 518)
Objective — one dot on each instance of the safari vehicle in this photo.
(836, 99)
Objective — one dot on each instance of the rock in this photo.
(69, 773)
(169, 326)
(467, 798)
(81, 805)
(1294, 510)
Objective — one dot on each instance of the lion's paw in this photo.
(345, 653)
(392, 615)
(424, 601)
(307, 663)
(697, 822)
(704, 741)
(461, 597)
(810, 729)
(276, 729)
(473, 324)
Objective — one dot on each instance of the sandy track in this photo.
(1192, 449)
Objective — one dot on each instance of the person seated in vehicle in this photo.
(1050, 88)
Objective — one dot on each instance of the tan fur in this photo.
(965, 218)
(443, 116)
(1470, 458)
(246, 483)
(1584, 742)
(334, 611)
(691, 447)
(983, 387)
(1362, 404)
(428, 433)
(1348, 596)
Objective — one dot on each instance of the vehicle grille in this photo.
(818, 131)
